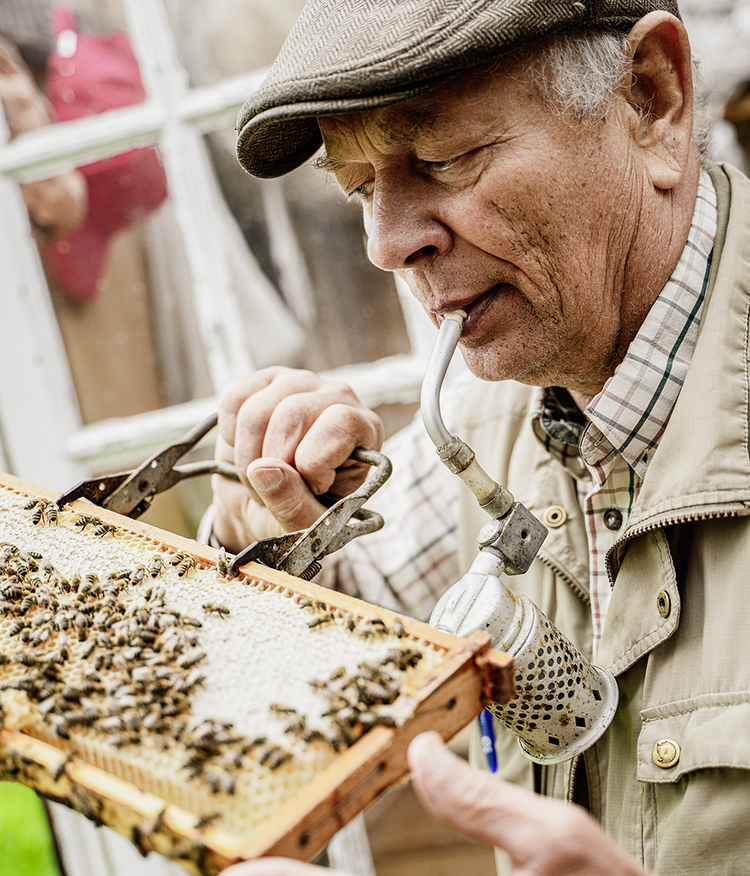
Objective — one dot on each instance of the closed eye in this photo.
(364, 192)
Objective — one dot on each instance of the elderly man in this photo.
(535, 164)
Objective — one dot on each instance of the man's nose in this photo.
(403, 227)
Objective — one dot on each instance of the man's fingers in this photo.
(275, 867)
(235, 394)
(322, 454)
(542, 836)
(284, 493)
(465, 798)
(290, 434)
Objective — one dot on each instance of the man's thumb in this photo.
(284, 493)
(449, 787)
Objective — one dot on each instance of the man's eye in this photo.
(364, 191)
(441, 165)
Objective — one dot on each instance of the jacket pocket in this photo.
(694, 769)
(704, 732)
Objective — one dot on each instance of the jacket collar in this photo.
(700, 467)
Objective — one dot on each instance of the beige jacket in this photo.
(683, 671)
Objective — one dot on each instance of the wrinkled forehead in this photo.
(477, 97)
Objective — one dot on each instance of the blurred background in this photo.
(143, 269)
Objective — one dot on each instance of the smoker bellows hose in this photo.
(563, 703)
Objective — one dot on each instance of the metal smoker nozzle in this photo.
(563, 703)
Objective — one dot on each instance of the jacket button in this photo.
(666, 753)
(663, 603)
(613, 519)
(554, 516)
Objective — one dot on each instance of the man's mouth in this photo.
(475, 309)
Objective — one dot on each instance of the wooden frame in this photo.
(452, 694)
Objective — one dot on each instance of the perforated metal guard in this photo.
(563, 703)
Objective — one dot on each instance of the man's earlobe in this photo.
(660, 90)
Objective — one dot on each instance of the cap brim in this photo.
(347, 56)
(281, 138)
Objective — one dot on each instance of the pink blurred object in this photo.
(95, 73)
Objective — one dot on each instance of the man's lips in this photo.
(475, 309)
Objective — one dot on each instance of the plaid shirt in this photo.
(608, 452)
(412, 561)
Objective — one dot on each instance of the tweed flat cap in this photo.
(351, 55)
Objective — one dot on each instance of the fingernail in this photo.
(265, 479)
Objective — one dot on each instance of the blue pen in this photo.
(488, 739)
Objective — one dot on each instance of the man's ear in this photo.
(660, 91)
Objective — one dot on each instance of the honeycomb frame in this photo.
(202, 827)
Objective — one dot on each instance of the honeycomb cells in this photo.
(221, 695)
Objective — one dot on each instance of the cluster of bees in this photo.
(110, 655)
(104, 653)
(358, 701)
(365, 628)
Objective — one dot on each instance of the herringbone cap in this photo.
(351, 55)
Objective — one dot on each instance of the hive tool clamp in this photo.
(298, 553)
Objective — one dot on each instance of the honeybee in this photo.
(403, 658)
(84, 803)
(60, 768)
(138, 574)
(155, 566)
(86, 520)
(274, 757)
(191, 659)
(118, 740)
(298, 726)
(253, 743)
(320, 619)
(140, 840)
(59, 727)
(85, 717)
(104, 529)
(51, 672)
(24, 658)
(88, 649)
(204, 821)
(215, 608)
(314, 734)
(222, 566)
(185, 567)
(278, 709)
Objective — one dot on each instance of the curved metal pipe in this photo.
(442, 353)
(455, 453)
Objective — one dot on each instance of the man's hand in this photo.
(543, 837)
(290, 434)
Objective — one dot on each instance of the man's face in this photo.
(482, 198)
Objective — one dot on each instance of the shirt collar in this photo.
(629, 415)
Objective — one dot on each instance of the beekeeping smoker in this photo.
(539, 167)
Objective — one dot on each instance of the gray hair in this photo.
(580, 74)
